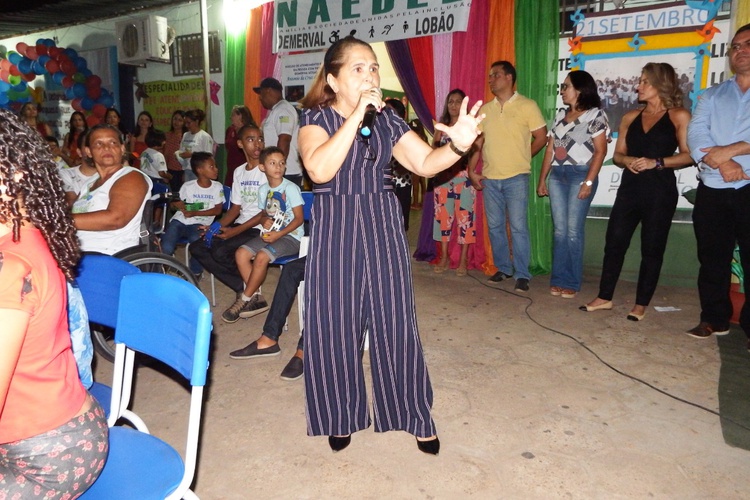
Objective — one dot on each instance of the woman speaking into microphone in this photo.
(358, 274)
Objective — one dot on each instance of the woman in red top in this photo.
(70, 152)
(174, 137)
(143, 126)
(30, 114)
(53, 434)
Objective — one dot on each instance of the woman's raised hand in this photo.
(466, 129)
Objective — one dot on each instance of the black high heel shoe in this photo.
(339, 443)
(431, 447)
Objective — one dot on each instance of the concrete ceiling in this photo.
(25, 17)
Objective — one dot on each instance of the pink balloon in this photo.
(32, 54)
(21, 48)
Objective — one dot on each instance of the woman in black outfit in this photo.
(651, 144)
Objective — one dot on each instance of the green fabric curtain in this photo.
(234, 84)
(537, 25)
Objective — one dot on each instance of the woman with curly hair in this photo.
(53, 434)
(651, 145)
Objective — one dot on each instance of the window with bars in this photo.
(187, 54)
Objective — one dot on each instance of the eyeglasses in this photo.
(564, 87)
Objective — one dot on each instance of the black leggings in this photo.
(654, 211)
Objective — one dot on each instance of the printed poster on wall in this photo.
(164, 97)
(614, 46)
(302, 25)
(298, 72)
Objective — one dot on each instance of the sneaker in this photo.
(232, 314)
(252, 351)
(522, 285)
(498, 277)
(257, 305)
(705, 330)
(293, 369)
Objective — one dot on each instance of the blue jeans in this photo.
(569, 220)
(174, 233)
(509, 196)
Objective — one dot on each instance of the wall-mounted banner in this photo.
(303, 25)
(164, 97)
(614, 46)
(298, 72)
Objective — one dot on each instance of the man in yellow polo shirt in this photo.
(514, 130)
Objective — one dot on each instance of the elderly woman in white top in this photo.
(109, 209)
(575, 152)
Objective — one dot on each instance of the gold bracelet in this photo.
(456, 150)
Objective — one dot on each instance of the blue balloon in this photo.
(106, 100)
(71, 53)
(14, 57)
(58, 77)
(3, 98)
(43, 59)
(39, 41)
(87, 103)
(37, 68)
(49, 42)
(86, 72)
(79, 90)
(4, 86)
(20, 87)
(24, 66)
(69, 95)
(80, 63)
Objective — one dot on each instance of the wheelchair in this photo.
(148, 259)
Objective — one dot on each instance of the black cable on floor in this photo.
(605, 363)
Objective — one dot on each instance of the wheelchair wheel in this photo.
(155, 262)
(148, 262)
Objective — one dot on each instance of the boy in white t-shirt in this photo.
(200, 202)
(282, 218)
(152, 159)
(241, 222)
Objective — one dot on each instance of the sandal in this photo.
(460, 271)
(555, 290)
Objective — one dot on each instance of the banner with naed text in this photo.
(303, 25)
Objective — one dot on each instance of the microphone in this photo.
(365, 128)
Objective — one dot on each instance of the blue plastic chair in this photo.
(99, 278)
(174, 326)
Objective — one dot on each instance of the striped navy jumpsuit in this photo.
(358, 279)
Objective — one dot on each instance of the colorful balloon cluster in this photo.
(64, 66)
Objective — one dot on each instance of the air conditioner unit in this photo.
(142, 39)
